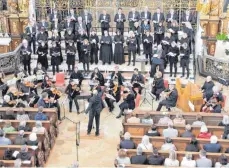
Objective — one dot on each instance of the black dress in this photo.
(119, 50)
(70, 50)
(106, 54)
(55, 55)
(42, 56)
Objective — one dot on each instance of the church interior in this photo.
(114, 83)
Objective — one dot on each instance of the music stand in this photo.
(145, 100)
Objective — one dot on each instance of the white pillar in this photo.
(198, 40)
(32, 13)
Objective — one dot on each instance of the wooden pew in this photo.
(10, 163)
(31, 111)
(141, 129)
(180, 154)
(190, 117)
(29, 123)
(13, 135)
(179, 142)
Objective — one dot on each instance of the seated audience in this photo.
(20, 140)
(22, 116)
(4, 140)
(213, 147)
(24, 154)
(165, 120)
(147, 119)
(187, 161)
(225, 121)
(32, 139)
(168, 145)
(127, 143)
(204, 133)
(192, 147)
(22, 126)
(133, 119)
(8, 127)
(187, 133)
(203, 161)
(170, 131)
(153, 131)
(199, 121)
(139, 158)
(9, 115)
(172, 160)
(40, 115)
(156, 159)
(179, 120)
(38, 128)
(145, 144)
(122, 158)
(223, 162)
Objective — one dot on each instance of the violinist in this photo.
(116, 75)
(46, 83)
(212, 106)
(113, 90)
(158, 85)
(76, 74)
(72, 90)
(7, 102)
(42, 52)
(44, 101)
(86, 49)
(26, 56)
(137, 81)
(169, 97)
(70, 51)
(147, 45)
(39, 70)
(14, 97)
(128, 102)
(97, 76)
(55, 53)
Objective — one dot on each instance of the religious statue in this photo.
(23, 5)
(214, 8)
(203, 6)
(12, 6)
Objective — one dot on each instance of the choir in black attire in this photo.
(120, 19)
(132, 48)
(26, 56)
(147, 46)
(106, 54)
(94, 40)
(55, 53)
(173, 58)
(86, 48)
(71, 51)
(42, 52)
(119, 50)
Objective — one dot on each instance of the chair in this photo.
(60, 79)
(166, 83)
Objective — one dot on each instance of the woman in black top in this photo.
(153, 131)
(119, 50)
(192, 147)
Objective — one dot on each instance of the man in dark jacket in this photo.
(95, 107)
(156, 159)
(187, 133)
(139, 158)
(24, 154)
(76, 74)
(127, 143)
(213, 147)
(20, 140)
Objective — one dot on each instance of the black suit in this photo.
(144, 17)
(87, 20)
(104, 20)
(170, 17)
(158, 87)
(69, 25)
(26, 58)
(138, 159)
(120, 22)
(80, 26)
(127, 144)
(186, 18)
(31, 36)
(158, 20)
(156, 160)
(132, 19)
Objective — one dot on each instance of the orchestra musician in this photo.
(158, 85)
(70, 51)
(146, 16)
(26, 56)
(55, 57)
(30, 31)
(44, 101)
(116, 75)
(7, 102)
(132, 47)
(120, 19)
(158, 17)
(128, 102)
(106, 51)
(105, 20)
(87, 18)
(13, 98)
(159, 33)
(76, 74)
(94, 41)
(169, 97)
(86, 48)
(212, 106)
(171, 16)
(69, 36)
(42, 52)
(157, 65)
(137, 81)
(147, 46)
(207, 87)
(137, 33)
(97, 76)
(173, 57)
(46, 83)
(72, 90)
(133, 17)
(119, 50)
(80, 37)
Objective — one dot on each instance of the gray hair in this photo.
(213, 139)
(139, 150)
(203, 152)
(225, 120)
(40, 109)
(127, 136)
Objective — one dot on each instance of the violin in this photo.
(29, 84)
(75, 88)
(56, 92)
(12, 102)
(18, 93)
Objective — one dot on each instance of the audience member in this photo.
(165, 120)
(139, 158)
(223, 162)
(203, 161)
(32, 139)
(153, 131)
(17, 163)
(20, 140)
(40, 115)
(199, 121)
(172, 160)
(192, 147)
(179, 120)
(146, 145)
(156, 159)
(133, 119)
(225, 121)
(204, 133)
(9, 115)
(147, 119)
(8, 127)
(122, 158)
(213, 146)
(21, 116)
(187, 133)
(127, 143)
(4, 140)
(168, 145)
(38, 128)
(187, 161)
(24, 154)
(170, 131)
(22, 126)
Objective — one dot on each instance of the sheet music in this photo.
(192, 107)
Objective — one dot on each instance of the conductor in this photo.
(95, 107)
